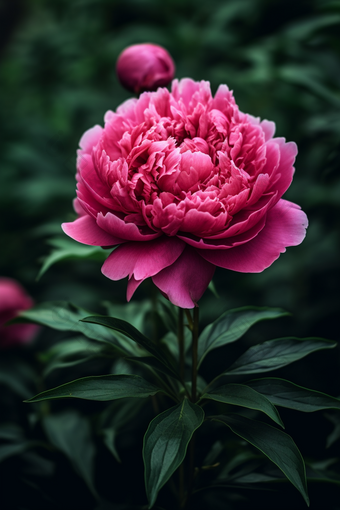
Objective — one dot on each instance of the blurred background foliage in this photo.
(57, 79)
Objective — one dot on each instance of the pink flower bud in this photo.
(14, 299)
(144, 67)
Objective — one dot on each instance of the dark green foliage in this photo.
(170, 431)
(102, 388)
(275, 444)
(57, 79)
(166, 442)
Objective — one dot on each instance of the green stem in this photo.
(189, 319)
(194, 399)
(194, 354)
(181, 341)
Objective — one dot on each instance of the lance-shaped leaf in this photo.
(165, 444)
(275, 354)
(116, 417)
(101, 387)
(154, 363)
(231, 326)
(239, 395)
(64, 316)
(131, 332)
(335, 434)
(71, 433)
(287, 394)
(168, 314)
(278, 446)
(67, 249)
(70, 352)
(12, 449)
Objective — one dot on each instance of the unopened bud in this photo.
(143, 67)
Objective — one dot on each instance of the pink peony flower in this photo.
(14, 299)
(184, 182)
(145, 67)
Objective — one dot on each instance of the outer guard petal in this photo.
(142, 259)
(85, 230)
(90, 138)
(185, 281)
(285, 226)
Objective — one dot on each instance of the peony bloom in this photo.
(145, 67)
(184, 182)
(14, 299)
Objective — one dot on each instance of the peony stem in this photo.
(181, 341)
(193, 396)
(194, 354)
(189, 319)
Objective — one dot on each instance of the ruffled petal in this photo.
(283, 175)
(225, 244)
(85, 230)
(185, 281)
(127, 231)
(142, 259)
(90, 138)
(285, 226)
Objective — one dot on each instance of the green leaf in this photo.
(116, 417)
(100, 387)
(319, 471)
(67, 249)
(110, 442)
(71, 348)
(335, 434)
(212, 289)
(18, 376)
(11, 449)
(64, 316)
(275, 354)
(153, 362)
(11, 432)
(134, 312)
(69, 353)
(244, 461)
(170, 342)
(70, 433)
(120, 414)
(231, 326)
(169, 316)
(165, 444)
(287, 394)
(239, 395)
(132, 333)
(278, 446)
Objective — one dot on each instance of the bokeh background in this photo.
(57, 79)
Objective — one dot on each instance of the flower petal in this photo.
(133, 284)
(285, 226)
(225, 244)
(142, 259)
(285, 170)
(85, 230)
(90, 138)
(127, 231)
(185, 281)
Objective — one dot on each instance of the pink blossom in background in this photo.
(183, 182)
(145, 67)
(13, 299)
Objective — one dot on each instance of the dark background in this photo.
(281, 58)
